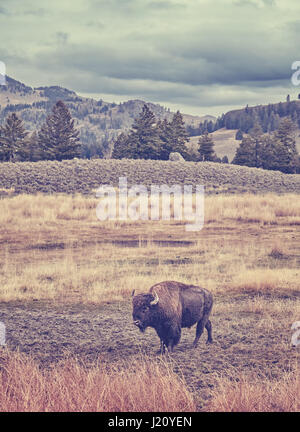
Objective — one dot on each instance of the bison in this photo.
(169, 306)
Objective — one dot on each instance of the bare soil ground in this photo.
(106, 332)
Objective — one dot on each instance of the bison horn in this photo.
(155, 301)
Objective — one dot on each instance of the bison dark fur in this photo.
(169, 306)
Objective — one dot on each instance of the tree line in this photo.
(272, 151)
(152, 139)
(275, 151)
(267, 116)
(57, 139)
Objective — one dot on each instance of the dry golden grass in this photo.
(256, 394)
(73, 387)
(47, 209)
(54, 248)
(265, 209)
(266, 280)
(271, 308)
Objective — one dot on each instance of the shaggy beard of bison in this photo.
(141, 327)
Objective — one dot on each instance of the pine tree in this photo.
(225, 159)
(206, 148)
(145, 135)
(173, 136)
(281, 110)
(210, 126)
(12, 138)
(256, 132)
(286, 146)
(239, 135)
(274, 121)
(276, 152)
(58, 137)
(297, 164)
(30, 151)
(245, 153)
(124, 148)
(269, 152)
(165, 134)
(179, 134)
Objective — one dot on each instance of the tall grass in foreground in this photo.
(257, 395)
(73, 387)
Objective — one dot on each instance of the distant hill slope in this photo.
(99, 122)
(226, 144)
(85, 176)
(267, 115)
(225, 127)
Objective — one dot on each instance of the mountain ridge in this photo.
(99, 122)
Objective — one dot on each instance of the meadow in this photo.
(65, 296)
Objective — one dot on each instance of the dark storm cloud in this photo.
(194, 52)
(192, 67)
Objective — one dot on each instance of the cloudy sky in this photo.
(199, 56)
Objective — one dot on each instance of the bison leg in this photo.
(171, 338)
(209, 334)
(199, 330)
(162, 348)
(174, 339)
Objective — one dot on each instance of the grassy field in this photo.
(65, 291)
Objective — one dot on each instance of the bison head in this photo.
(143, 305)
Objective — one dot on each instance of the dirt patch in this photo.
(50, 334)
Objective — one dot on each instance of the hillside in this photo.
(267, 115)
(99, 122)
(85, 176)
(225, 142)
